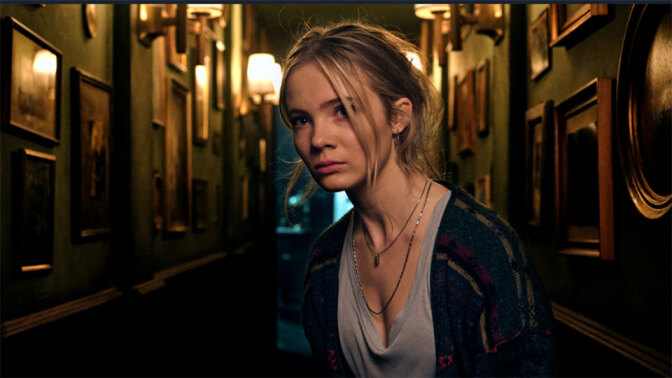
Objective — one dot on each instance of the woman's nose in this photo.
(322, 135)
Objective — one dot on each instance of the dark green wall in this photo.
(79, 269)
(135, 251)
(630, 295)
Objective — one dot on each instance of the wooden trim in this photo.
(179, 269)
(40, 318)
(149, 286)
(647, 357)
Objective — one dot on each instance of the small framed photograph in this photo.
(201, 101)
(200, 188)
(538, 126)
(571, 22)
(538, 50)
(219, 76)
(177, 188)
(92, 123)
(482, 190)
(175, 60)
(450, 108)
(481, 103)
(159, 83)
(245, 197)
(157, 201)
(32, 83)
(583, 172)
(465, 116)
(35, 215)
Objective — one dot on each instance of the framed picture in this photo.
(219, 76)
(175, 60)
(177, 198)
(645, 108)
(538, 125)
(570, 22)
(200, 204)
(450, 108)
(245, 197)
(35, 215)
(31, 77)
(201, 100)
(159, 82)
(465, 116)
(481, 103)
(482, 190)
(157, 201)
(583, 172)
(92, 109)
(538, 50)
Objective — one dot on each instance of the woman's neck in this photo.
(385, 208)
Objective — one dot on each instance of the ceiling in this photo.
(283, 22)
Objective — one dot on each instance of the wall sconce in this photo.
(201, 13)
(260, 69)
(151, 24)
(277, 81)
(489, 19)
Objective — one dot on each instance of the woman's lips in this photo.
(327, 167)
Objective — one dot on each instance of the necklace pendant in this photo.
(376, 261)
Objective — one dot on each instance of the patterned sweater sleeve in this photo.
(502, 321)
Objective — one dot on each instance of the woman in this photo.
(419, 279)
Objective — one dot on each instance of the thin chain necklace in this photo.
(408, 252)
(376, 259)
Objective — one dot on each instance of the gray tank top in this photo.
(410, 351)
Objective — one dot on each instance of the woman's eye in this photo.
(341, 112)
(299, 121)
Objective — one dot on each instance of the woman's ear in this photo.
(403, 113)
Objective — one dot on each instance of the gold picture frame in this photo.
(31, 83)
(584, 203)
(177, 184)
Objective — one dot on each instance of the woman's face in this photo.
(323, 135)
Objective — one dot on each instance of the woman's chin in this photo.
(330, 183)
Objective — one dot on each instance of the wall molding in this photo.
(647, 357)
(40, 318)
(190, 265)
(52, 314)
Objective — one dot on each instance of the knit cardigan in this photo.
(490, 314)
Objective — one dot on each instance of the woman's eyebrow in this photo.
(326, 104)
(330, 103)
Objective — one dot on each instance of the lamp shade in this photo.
(277, 81)
(260, 69)
(209, 10)
(426, 11)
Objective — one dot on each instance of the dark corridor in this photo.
(191, 327)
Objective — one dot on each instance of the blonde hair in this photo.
(353, 54)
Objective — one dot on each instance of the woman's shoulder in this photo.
(471, 223)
